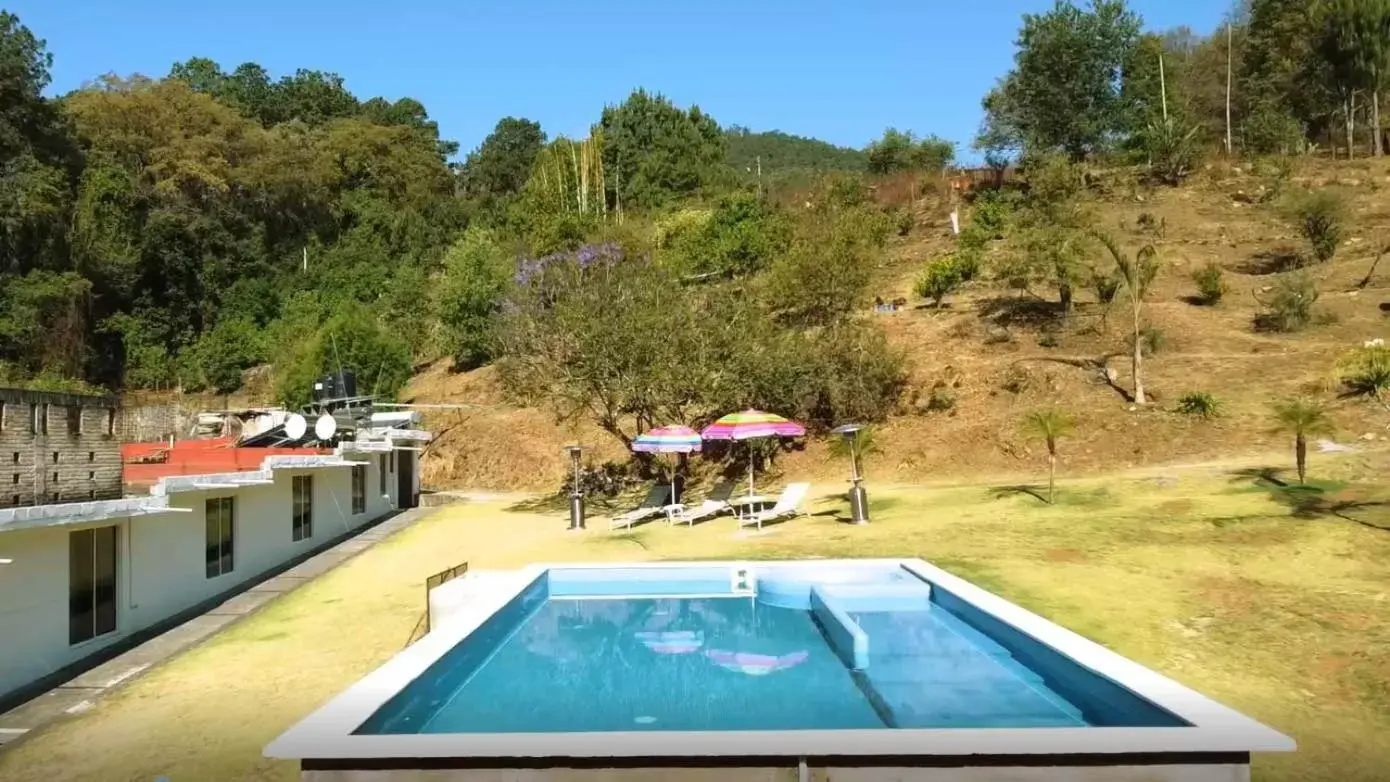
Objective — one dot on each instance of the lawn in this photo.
(1269, 600)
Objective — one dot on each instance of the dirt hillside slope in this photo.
(1000, 354)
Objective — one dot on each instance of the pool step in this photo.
(930, 669)
(896, 597)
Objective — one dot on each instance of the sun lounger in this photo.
(788, 506)
(651, 506)
(715, 504)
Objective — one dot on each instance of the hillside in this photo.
(985, 346)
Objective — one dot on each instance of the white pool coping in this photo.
(327, 732)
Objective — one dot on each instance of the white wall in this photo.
(161, 567)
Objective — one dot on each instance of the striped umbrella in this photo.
(751, 424)
(669, 439)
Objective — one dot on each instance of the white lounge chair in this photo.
(651, 506)
(788, 506)
(717, 503)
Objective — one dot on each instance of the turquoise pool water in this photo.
(570, 663)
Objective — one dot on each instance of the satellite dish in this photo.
(325, 427)
(296, 427)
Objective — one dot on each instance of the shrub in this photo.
(1321, 217)
(941, 399)
(1211, 283)
(1366, 371)
(1289, 306)
(906, 222)
(1152, 340)
(1199, 404)
(1146, 223)
(940, 278)
(1106, 285)
(1173, 150)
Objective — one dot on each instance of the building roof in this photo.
(166, 485)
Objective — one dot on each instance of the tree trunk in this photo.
(1064, 295)
(1376, 148)
(1051, 475)
(1300, 454)
(1229, 57)
(1138, 362)
(1351, 128)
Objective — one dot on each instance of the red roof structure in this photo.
(145, 463)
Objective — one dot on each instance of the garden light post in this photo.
(577, 493)
(858, 498)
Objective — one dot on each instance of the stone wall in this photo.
(58, 448)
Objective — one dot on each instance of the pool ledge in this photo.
(327, 734)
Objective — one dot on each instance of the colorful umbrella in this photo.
(673, 641)
(668, 439)
(751, 424)
(755, 664)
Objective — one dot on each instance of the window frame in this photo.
(301, 507)
(86, 556)
(359, 489)
(219, 521)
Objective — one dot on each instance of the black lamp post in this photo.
(858, 497)
(577, 494)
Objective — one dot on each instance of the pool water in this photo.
(722, 663)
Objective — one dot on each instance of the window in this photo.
(381, 473)
(110, 422)
(359, 489)
(91, 583)
(74, 420)
(43, 418)
(220, 521)
(33, 419)
(303, 489)
(2, 416)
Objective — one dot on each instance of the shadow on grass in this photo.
(1003, 492)
(560, 503)
(1322, 499)
(1197, 301)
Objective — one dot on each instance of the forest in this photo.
(178, 231)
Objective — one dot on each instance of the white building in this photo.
(77, 578)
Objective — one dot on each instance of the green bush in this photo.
(476, 271)
(906, 221)
(1106, 285)
(1290, 306)
(941, 278)
(1211, 283)
(1199, 404)
(1321, 219)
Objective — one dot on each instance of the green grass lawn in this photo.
(1269, 599)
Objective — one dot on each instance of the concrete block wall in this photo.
(58, 448)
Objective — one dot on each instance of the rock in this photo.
(1368, 436)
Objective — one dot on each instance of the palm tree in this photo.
(1137, 274)
(1049, 426)
(1302, 419)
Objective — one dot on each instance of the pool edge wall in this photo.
(1234, 767)
(1218, 746)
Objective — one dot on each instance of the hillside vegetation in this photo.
(1172, 255)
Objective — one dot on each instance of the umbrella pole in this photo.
(750, 471)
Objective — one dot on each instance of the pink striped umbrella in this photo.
(751, 424)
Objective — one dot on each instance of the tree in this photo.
(655, 152)
(500, 166)
(1302, 419)
(1063, 92)
(1136, 273)
(474, 281)
(37, 156)
(1346, 59)
(1049, 425)
(903, 151)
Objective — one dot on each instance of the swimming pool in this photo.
(857, 659)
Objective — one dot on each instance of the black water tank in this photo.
(346, 383)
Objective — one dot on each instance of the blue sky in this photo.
(840, 71)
